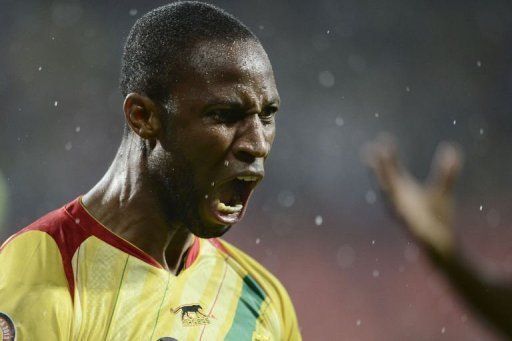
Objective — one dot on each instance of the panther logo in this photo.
(192, 315)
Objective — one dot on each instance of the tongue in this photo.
(235, 200)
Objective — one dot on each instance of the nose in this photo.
(254, 139)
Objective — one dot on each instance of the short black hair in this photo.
(163, 37)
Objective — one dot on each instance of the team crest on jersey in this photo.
(192, 315)
(7, 330)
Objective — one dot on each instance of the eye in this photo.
(268, 114)
(223, 115)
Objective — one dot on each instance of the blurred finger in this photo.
(445, 167)
(381, 156)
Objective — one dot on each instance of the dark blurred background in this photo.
(425, 71)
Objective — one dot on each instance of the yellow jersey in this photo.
(67, 277)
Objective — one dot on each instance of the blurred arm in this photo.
(426, 210)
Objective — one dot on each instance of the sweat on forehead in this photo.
(161, 39)
(222, 73)
(227, 59)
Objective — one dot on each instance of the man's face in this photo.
(212, 154)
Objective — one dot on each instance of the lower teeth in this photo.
(229, 209)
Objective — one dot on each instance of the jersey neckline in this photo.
(85, 220)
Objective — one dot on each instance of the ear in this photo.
(141, 114)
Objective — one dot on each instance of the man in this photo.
(427, 213)
(137, 257)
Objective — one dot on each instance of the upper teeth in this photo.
(247, 178)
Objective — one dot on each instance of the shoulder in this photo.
(44, 249)
(33, 281)
(57, 227)
(43, 229)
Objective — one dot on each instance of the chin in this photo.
(208, 230)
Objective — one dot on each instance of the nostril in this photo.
(245, 156)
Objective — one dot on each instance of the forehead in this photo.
(223, 68)
(245, 56)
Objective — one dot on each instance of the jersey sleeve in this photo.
(35, 301)
(290, 324)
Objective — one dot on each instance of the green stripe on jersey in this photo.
(247, 311)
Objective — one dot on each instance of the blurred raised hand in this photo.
(427, 210)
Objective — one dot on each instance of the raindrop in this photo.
(328, 31)
(376, 115)
(261, 27)
(77, 129)
(55, 103)
(77, 221)
(339, 121)
(408, 89)
(370, 197)
(326, 79)
(481, 207)
(258, 240)
(481, 131)
(286, 198)
(133, 12)
(226, 163)
(358, 323)
(206, 196)
(478, 63)
(454, 122)
(39, 68)
(319, 220)
(443, 330)
(373, 242)
(375, 273)
(345, 256)
(213, 183)
(68, 146)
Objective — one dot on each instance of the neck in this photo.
(124, 202)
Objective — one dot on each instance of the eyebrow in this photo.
(237, 103)
(274, 101)
(231, 102)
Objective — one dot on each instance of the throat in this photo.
(179, 250)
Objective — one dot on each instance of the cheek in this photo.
(209, 147)
(270, 134)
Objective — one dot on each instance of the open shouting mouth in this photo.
(229, 199)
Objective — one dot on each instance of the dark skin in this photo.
(172, 168)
